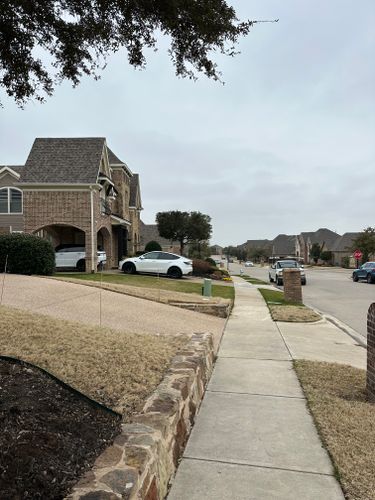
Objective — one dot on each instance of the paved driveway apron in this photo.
(254, 437)
(121, 312)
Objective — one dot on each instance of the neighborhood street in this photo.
(331, 291)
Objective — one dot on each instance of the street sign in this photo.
(357, 254)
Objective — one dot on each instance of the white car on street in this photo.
(276, 271)
(248, 263)
(157, 262)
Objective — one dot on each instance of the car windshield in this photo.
(287, 263)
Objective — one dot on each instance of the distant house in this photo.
(11, 199)
(342, 248)
(285, 246)
(74, 191)
(149, 232)
(216, 249)
(324, 237)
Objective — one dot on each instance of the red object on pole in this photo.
(357, 254)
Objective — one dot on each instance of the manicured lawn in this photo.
(253, 281)
(281, 310)
(163, 283)
(345, 420)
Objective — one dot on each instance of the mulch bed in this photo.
(49, 435)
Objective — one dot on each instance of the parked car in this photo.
(276, 271)
(365, 272)
(175, 266)
(249, 263)
(74, 257)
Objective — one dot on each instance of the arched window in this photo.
(10, 200)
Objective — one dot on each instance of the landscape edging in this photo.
(144, 457)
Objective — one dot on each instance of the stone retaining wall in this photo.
(143, 458)
(371, 353)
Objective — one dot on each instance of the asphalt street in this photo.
(331, 291)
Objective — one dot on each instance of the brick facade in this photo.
(292, 285)
(370, 386)
(72, 209)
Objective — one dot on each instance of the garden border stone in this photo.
(143, 458)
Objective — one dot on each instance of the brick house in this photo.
(76, 191)
(11, 206)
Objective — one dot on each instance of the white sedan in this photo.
(175, 266)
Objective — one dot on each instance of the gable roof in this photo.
(322, 235)
(113, 159)
(64, 161)
(344, 243)
(284, 244)
(13, 170)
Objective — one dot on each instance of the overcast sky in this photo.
(286, 145)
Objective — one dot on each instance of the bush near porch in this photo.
(26, 254)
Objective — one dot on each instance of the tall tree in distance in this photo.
(365, 242)
(184, 227)
(76, 36)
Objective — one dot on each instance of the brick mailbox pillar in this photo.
(370, 385)
(292, 285)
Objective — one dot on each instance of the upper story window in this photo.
(10, 201)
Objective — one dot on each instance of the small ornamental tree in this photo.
(184, 227)
(315, 252)
(326, 256)
(26, 254)
(152, 246)
(365, 242)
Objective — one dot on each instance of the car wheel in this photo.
(174, 272)
(129, 268)
(271, 280)
(279, 282)
(303, 282)
(81, 266)
(355, 277)
(369, 278)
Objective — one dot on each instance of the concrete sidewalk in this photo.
(254, 437)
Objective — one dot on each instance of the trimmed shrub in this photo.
(202, 267)
(211, 261)
(27, 254)
(152, 246)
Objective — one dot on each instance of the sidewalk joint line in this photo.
(256, 394)
(257, 466)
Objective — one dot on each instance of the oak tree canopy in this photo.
(43, 42)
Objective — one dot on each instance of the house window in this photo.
(10, 201)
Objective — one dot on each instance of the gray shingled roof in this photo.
(64, 161)
(149, 232)
(345, 243)
(15, 168)
(322, 235)
(113, 159)
(284, 244)
(257, 244)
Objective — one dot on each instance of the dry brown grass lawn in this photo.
(118, 369)
(293, 313)
(346, 422)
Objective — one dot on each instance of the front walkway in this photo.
(254, 437)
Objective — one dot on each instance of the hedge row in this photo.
(26, 254)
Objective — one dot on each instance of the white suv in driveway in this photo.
(75, 257)
(276, 271)
(175, 266)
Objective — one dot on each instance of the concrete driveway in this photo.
(75, 302)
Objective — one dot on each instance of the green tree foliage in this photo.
(315, 252)
(184, 227)
(26, 254)
(152, 246)
(326, 256)
(76, 36)
(259, 254)
(365, 242)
